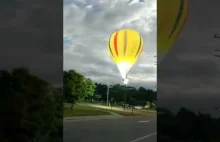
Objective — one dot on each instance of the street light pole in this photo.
(125, 96)
(125, 80)
(107, 94)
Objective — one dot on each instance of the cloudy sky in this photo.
(189, 76)
(29, 38)
(88, 25)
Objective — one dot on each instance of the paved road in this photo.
(126, 129)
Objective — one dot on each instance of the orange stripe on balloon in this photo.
(115, 43)
(178, 18)
(139, 47)
(125, 41)
(142, 48)
(185, 18)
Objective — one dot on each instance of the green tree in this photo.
(133, 96)
(58, 95)
(74, 87)
(31, 102)
(148, 103)
(101, 89)
(90, 88)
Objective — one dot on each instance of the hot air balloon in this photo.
(171, 17)
(125, 47)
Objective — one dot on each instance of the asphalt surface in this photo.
(126, 129)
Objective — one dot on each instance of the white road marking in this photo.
(143, 121)
(144, 137)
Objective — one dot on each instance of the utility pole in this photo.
(125, 80)
(125, 96)
(107, 94)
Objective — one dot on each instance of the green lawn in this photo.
(135, 112)
(81, 110)
(125, 113)
(147, 110)
(118, 109)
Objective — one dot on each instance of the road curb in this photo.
(88, 118)
(97, 117)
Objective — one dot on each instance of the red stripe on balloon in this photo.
(115, 43)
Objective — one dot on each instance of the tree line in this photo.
(187, 126)
(78, 88)
(31, 108)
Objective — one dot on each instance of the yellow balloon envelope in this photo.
(125, 46)
(171, 17)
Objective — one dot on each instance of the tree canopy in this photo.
(78, 88)
(31, 108)
(186, 125)
(130, 94)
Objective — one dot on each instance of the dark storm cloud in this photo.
(193, 69)
(30, 38)
(188, 75)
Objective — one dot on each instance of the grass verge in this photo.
(81, 110)
(125, 113)
(147, 111)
